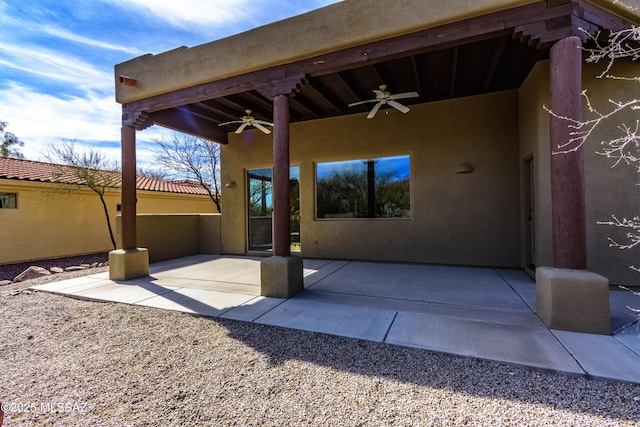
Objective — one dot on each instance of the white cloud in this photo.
(67, 35)
(40, 119)
(203, 13)
(52, 65)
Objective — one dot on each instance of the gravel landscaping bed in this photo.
(10, 271)
(72, 362)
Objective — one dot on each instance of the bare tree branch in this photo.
(85, 167)
(192, 158)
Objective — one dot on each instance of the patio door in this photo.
(260, 209)
(529, 219)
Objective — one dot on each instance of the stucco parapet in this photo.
(339, 26)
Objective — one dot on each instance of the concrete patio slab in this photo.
(212, 285)
(510, 317)
(513, 344)
(621, 303)
(197, 301)
(471, 312)
(601, 356)
(522, 284)
(244, 270)
(340, 320)
(630, 337)
(478, 287)
(77, 284)
(252, 309)
(187, 261)
(316, 270)
(129, 294)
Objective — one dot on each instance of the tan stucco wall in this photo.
(53, 221)
(607, 191)
(610, 190)
(338, 26)
(170, 236)
(534, 141)
(456, 218)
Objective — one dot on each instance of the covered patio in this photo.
(483, 313)
(485, 189)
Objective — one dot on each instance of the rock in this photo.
(56, 270)
(5, 282)
(75, 268)
(32, 272)
(94, 265)
(85, 265)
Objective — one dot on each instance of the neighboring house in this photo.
(46, 212)
(466, 177)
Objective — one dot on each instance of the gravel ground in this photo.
(10, 271)
(78, 363)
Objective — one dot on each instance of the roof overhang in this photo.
(335, 55)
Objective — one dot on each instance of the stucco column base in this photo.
(573, 300)
(127, 264)
(281, 276)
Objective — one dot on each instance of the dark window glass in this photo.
(373, 188)
(8, 200)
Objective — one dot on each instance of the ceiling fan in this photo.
(249, 120)
(383, 97)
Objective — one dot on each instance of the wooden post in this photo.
(128, 138)
(281, 214)
(567, 170)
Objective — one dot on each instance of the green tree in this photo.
(9, 143)
(86, 167)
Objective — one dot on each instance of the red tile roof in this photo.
(29, 170)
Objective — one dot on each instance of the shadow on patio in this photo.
(482, 313)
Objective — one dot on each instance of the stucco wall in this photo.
(170, 236)
(610, 190)
(470, 219)
(607, 191)
(534, 141)
(53, 221)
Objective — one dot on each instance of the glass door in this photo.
(260, 209)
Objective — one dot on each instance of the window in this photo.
(8, 201)
(373, 188)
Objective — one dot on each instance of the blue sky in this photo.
(57, 59)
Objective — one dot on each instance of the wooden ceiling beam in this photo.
(309, 106)
(454, 71)
(196, 126)
(417, 78)
(218, 109)
(448, 35)
(328, 96)
(493, 64)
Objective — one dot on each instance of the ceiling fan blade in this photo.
(379, 93)
(374, 110)
(405, 95)
(262, 122)
(363, 102)
(262, 128)
(230, 123)
(241, 128)
(399, 106)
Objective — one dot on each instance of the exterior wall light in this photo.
(465, 168)
(231, 184)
